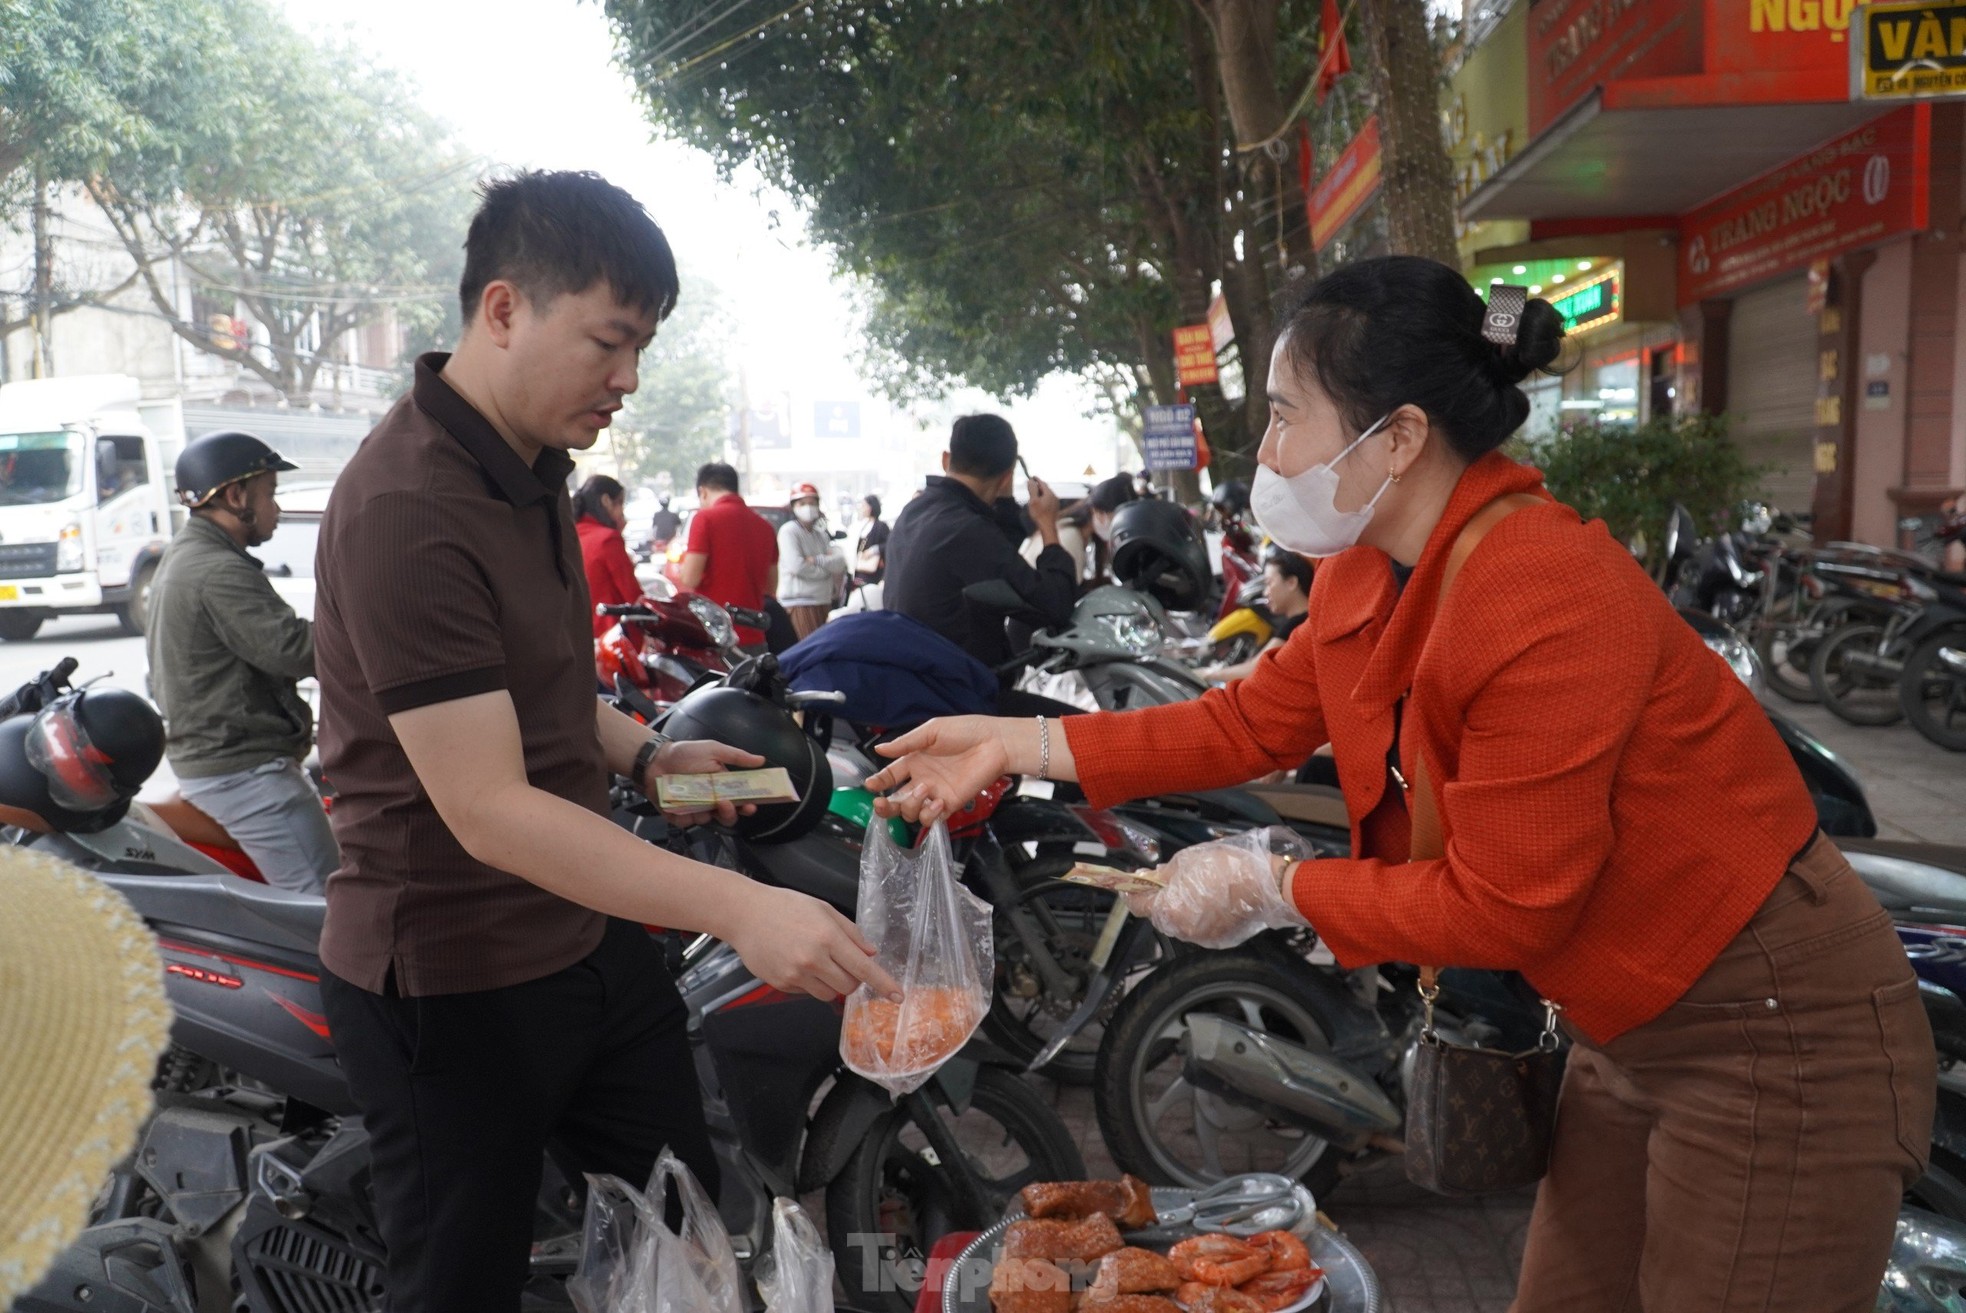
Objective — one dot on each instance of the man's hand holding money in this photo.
(698, 757)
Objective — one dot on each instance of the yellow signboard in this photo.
(1909, 51)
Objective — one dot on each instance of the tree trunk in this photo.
(1419, 179)
(1245, 36)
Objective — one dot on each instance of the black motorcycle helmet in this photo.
(744, 720)
(1158, 548)
(211, 461)
(77, 763)
(1231, 499)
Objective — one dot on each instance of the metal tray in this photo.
(1350, 1284)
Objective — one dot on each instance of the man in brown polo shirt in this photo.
(489, 987)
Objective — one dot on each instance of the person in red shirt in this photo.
(732, 555)
(600, 509)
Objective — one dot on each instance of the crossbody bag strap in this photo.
(1427, 842)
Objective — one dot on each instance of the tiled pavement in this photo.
(1916, 788)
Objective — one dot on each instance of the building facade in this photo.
(1727, 228)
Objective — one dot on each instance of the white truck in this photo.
(86, 502)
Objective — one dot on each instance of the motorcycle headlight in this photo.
(714, 619)
(1739, 656)
(68, 549)
(1137, 634)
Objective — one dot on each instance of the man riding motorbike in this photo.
(226, 653)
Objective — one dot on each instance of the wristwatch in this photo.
(643, 756)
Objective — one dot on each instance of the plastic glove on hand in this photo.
(1219, 894)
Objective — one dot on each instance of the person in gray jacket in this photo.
(226, 654)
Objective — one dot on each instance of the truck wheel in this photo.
(134, 615)
(17, 626)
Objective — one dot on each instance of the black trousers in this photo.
(464, 1094)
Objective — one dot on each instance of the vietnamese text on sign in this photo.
(1194, 355)
(1168, 438)
(1910, 51)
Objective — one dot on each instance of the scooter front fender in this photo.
(848, 1113)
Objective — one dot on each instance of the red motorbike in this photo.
(661, 648)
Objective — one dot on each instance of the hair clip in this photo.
(1503, 320)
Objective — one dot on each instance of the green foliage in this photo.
(1023, 188)
(83, 82)
(677, 419)
(323, 195)
(1629, 475)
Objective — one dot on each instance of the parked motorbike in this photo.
(663, 647)
(249, 1187)
(1787, 598)
(1932, 687)
(1246, 630)
(1858, 670)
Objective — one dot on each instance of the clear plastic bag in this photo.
(933, 936)
(631, 1262)
(607, 1246)
(797, 1275)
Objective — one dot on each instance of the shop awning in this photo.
(1628, 150)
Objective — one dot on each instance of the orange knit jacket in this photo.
(1614, 803)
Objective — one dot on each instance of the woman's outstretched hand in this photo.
(940, 768)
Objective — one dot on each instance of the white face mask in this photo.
(1301, 512)
(807, 513)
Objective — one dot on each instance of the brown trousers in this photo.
(805, 619)
(1747, 1148)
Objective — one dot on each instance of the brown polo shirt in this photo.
(447, 568)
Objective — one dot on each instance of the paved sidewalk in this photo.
(1916, 788)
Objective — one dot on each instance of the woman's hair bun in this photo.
(1538, 341)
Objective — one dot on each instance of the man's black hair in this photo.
(1291, 566)
(1109, 495)
(717, 475)
(551, 233)
(982, 446)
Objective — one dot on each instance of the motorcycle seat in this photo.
(225, 905)
(1912, 879)
(192, 825)
(811, 865)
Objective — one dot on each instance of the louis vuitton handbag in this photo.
(1478, 1120)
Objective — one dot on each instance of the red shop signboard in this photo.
(1578, 45)
(1859, 189)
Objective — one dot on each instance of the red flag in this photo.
(1334, 57)
(1305, 162)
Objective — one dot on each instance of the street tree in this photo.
(679, 416)
(1418, 189)
(83, 85)
(325, 198)
(1023, 188)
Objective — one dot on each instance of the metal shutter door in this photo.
(1771, 387)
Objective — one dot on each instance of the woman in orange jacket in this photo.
(1752, 1084)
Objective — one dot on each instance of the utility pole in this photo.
(44, 281)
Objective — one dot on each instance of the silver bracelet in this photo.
(1044, 749)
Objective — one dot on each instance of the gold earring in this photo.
(1395, 478)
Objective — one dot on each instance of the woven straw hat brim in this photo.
(82, 1019)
